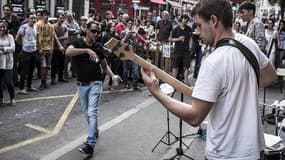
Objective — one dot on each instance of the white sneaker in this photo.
(13, 102)
(23, 91)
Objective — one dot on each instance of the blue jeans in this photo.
(89, 96)
(135, 72)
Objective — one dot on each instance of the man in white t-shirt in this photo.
(27, 37)
(226, 89)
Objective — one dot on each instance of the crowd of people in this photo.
(72, 48)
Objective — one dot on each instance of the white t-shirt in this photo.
(227, 79)
(29, 37)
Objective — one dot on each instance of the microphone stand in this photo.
(167, 134)
(179, 150)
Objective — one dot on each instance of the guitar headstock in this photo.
(121, 49)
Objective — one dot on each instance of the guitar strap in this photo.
(244, 50)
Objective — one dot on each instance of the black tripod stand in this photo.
(167, 134)
(179, 150)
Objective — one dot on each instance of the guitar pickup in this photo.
(118, 45)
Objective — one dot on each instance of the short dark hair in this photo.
(220, 8)
(247, 5)
(184, 16)
(92, 10)
(30, 13)
(8, 5)
(45, 12)
(57, 15)
(89, 24)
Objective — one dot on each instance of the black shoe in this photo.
(45, 86)
(127, 86)
(16, 83)
(137, 89)
(62, 80)
(86, 149)
(41, 86)
(52, 81)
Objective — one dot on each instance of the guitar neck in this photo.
(178, 85)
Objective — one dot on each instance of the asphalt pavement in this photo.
(131, 123)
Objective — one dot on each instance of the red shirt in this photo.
(119, 28)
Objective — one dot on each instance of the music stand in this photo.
(168, 132)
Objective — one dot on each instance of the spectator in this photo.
(271, 38)
(255, 28)
(129, 36)
(13, 25)
(58, 57)
(281, 44)
(113, 61)
(27, 37)
(164, 27)
(46, 38)
(7, 48)
(181, 36)
(73, 35)
(108, 19)
(83, 26)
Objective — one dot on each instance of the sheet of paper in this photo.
(270, 139)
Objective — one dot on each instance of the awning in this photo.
(158, 1)
(174, 4)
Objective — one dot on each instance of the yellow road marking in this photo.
(39, 128)
(26, 142)
(59, 125)
(41, 98)
(64, 116)
(48, 133)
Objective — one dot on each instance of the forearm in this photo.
(71, 51)
(267, 75)
(107, 68)
(180, 109)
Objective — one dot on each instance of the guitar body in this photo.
(125, 52)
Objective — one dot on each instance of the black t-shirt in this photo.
(165, 27)
(186, 32)
(86, 69)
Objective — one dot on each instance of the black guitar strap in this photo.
(246, 52)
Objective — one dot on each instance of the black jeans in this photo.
(27, 62)
(7, 77)
(57, 64)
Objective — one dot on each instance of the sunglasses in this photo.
(95, 31)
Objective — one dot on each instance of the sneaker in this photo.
(32, 89)
(87, 149)
(22, 91)
(13, 102)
